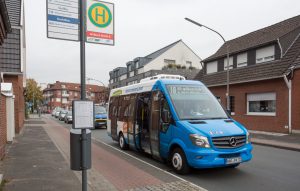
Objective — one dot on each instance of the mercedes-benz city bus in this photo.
(179, 121)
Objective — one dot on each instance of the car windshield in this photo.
(69, 113)
(194, 102)
(100, 110)
(64, 112)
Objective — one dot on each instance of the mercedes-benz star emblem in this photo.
(232, 141)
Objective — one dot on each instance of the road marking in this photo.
(97, 140)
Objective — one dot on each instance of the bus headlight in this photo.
(199, 141)
(248, 137)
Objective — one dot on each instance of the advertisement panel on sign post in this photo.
(100, 22)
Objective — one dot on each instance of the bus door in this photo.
(155, 124)
(165, 132)
(142, 121)
(129, 103)
(113, 112)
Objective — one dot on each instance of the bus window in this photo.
(165, 110)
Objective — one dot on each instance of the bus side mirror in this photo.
(166, 117)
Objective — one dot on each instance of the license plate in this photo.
(234, 160)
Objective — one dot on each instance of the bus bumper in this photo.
(210, 158)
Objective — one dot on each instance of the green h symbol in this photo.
(102, 15)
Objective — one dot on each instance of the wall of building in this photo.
(256, 122)
(3, 127)
(296, 100)
(180, 53)
(17, 81)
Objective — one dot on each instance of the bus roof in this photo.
(146, 86)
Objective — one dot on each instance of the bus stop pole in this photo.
(82, 7)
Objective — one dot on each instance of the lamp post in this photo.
(227, 52)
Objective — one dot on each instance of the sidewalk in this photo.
(283, 141)
(34, 163)
(39, 158)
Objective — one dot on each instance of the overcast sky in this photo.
(143, 26)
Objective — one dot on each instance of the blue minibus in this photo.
(179, 121)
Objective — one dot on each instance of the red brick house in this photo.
(61, 94)
(4, 29)
(264, 77)
(12, 65)
(12, 58)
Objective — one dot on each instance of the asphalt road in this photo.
(270, 169)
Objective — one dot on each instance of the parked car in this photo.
(100, 116)
(57, 114)
(53, 112)
(62, 115)
(68, 117)
(57, 109)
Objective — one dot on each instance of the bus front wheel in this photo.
(179, 162)
(122, 143)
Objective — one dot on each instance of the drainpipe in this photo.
(289, 86)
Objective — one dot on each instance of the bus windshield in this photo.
(194, 102)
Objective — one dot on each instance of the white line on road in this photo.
(148, 163)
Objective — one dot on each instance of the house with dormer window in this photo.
(175, 58)
(264, 77)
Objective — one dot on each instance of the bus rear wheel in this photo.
(122, 143)
(179, 162)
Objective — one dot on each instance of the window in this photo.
(265, 54)
(261, 104)
(230, 63)
(75, 94)
(65, 100)
(131, 74)
(123, 77)
(129, 67)
(189, 64)
(141, 70)
(57, 99)
(165, 107)
(92, 94)
(63, 86)
(211, 67)
(242, 60)
(169, 62)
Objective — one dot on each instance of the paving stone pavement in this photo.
(171, 186)
(32, 164)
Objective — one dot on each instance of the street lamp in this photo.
(227, 51)
(88, 79)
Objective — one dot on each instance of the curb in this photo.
(276, 146)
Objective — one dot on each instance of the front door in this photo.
(165, 131)
(155, 124)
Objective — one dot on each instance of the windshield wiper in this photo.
(216, 118)
(208, 118)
